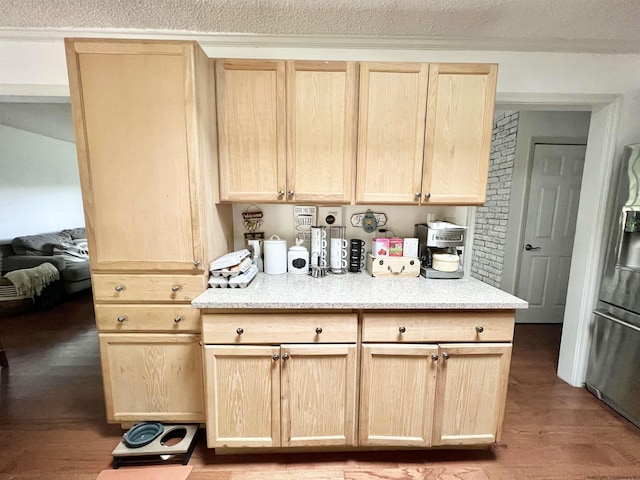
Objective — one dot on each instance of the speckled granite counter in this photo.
(358, 291)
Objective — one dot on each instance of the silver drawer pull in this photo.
(122, 319)
(239, 330)
(119, 288)
(318, 330)
(479, 328)
(178, 319)
(402, 329)
(175, 288)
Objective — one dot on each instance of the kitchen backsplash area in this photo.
(279, 220)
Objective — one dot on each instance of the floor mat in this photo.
(146, 473)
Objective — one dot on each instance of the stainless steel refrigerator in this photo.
(613, 372)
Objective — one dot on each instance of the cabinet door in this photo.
(393, 103)
(321, 122)
(243, 395)
(251, 129)
(152, 377)
(133, 106)
(471, 394)
(397, 391)
(318, 395)
(458, 133)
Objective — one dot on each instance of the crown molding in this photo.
(247, 40)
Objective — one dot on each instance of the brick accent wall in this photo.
(490, 234)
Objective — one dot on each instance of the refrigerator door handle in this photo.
(602, 314)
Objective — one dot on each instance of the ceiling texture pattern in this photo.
(607, 26)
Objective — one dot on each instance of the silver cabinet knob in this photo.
(434, 357)
(291, 193)
(318, 330)
(286, 357)
(445, 355)
(281, 193)
(276, 356)
(175, 288)
(239, 330)
(427, 196)
(177, 319)
(119, 288)
(197, 263)
(418, 195)
(479, 328)
(122, 319)
(402, 329)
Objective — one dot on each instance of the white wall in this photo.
(39, 184)
(608, 83)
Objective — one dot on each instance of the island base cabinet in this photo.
(282, 396)
(471, 393)
(152, 377)
(397, 392)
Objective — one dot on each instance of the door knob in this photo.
(528, 247)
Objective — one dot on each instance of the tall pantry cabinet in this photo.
(145, 134)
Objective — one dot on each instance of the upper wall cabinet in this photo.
(403, 159)
(286, 130)
(393, 103)
(458, 134)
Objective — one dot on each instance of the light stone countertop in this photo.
(358, 291)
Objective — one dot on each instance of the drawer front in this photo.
(147, 318)
(147, 288)
(447, 326)
(240, 329)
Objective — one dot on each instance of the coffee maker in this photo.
(440, 247)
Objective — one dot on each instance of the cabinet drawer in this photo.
(458, 326)
(238, 329)
(147, 288)
(148, 318)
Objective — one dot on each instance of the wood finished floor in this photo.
(52, 420)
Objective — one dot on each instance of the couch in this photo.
(66, 250)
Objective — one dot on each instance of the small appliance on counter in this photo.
(440, 247)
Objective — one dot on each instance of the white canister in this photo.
(275, 255)
(298, 260)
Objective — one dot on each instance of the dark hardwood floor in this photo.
(52, 420)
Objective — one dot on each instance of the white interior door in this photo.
(547, 245)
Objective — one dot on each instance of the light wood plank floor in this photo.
(52, 420)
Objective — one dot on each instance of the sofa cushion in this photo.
(41, 244)
(76, 233)
(76, 272)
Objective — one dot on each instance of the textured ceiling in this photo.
(562, 25)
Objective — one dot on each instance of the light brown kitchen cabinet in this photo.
(391, 126)
(434, 393)
(471, 393)
(286, 130)
(289, 395)
(424, 133)
(152, 377)
(143, 114)
(458, 133)
(397, 394)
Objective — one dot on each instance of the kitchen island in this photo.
(355, 362)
